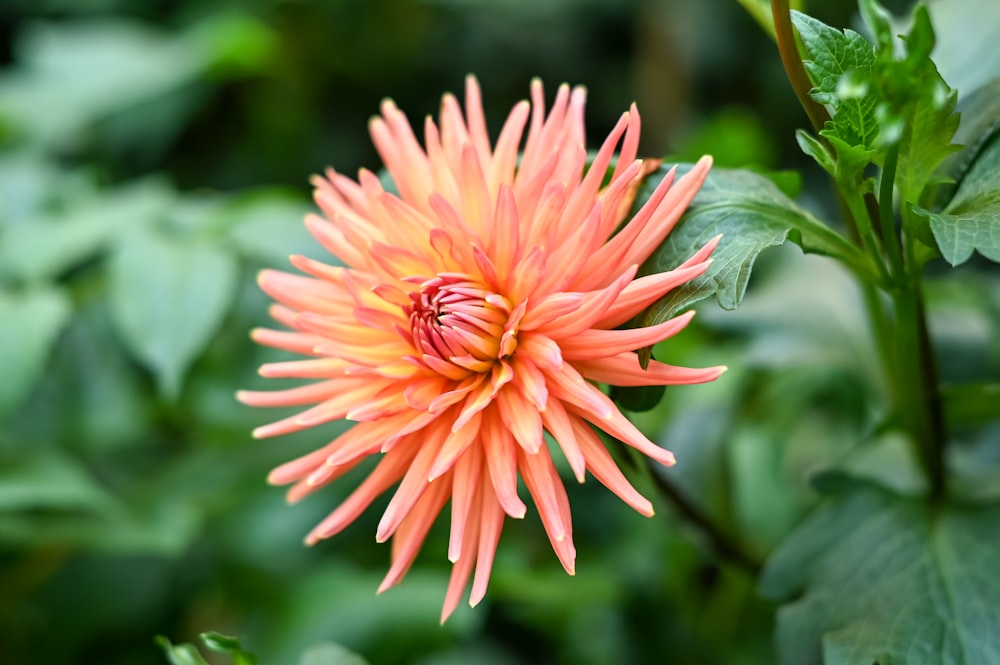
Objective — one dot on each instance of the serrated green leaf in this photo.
(878, 21)
(971, 222)
(330, 654)
(45, 247)
(179, 654)
(840, 67)
(885, 579)
(925, 104)
(167, 299)
(752, 214)
(979, 123)
(851, 162)
(30, 322)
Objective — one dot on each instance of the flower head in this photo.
(474, 311)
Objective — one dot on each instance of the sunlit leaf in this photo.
(230, 645)
(30, 322)
(44, 247)
(180, 654)
(267, 226)
(168, 298)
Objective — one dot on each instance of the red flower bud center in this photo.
(456, 319)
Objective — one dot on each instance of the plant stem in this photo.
(862, 222)
(887, 219)
(794, 69)
(723, 544)
(918, 396)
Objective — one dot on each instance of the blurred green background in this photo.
(154, 154)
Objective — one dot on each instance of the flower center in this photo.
(455, 319)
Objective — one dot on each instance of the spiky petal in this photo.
(474, 311)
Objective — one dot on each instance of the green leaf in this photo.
(840, 67)
(93, 68)
(49, 482)
(637, 398)
(878, 21)
(968, 33)
(878, 578)
(980, 122)
(30, 322)
(813, 147)
(971, 404)
(45, 247)
(917, 95)
(180, 654)
(225, 644)
(266, 226)
(971, 222)
(752, 214)
(330, 654)
(98, 67)
(168, 299)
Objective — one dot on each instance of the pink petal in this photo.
(542, 480)
(592, 344)
(624, 370)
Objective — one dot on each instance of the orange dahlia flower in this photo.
(475, 311)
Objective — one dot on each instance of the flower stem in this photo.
(722, 543)
(794, 69)
(887, 219)
(918, 396)
(862, 222)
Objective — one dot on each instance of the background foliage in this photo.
(154, 155)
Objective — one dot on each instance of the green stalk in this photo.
(902, 337)
(862, 222)
(790, 59)
(918, 397)
(887, 219)
(725, 546)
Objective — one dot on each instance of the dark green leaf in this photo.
(30, 322)
(752, 215)
(971, 222)
(331, 654)
(885, 579)
(168, 299)
(637, 398)
(49, 482)
(973, 404)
